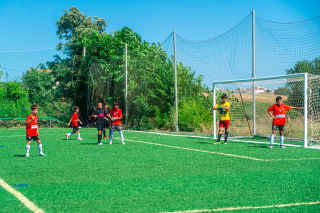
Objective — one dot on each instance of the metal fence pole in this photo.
(175, 80)
(253, 74)
(305, 112)
(50, 121)
(214, 112)
(126, 97)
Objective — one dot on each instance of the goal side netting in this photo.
(251, 98)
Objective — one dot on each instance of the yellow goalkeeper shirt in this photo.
(223, 113)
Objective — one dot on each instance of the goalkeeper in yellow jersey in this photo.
(223, 107)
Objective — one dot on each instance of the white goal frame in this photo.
(305, 105)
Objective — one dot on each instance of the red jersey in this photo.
(32, 127)
(280, 113)
(75, 118)
(116, 113)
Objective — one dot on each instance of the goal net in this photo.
(251, 98)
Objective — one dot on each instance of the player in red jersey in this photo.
(116, 116)
(278, 114)
(75, 119)
(32, 130)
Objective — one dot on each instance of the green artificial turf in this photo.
(80, 176)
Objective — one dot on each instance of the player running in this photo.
(75, 119)
(223, 107)
(279, 119)
(32, 130)
(116, 114)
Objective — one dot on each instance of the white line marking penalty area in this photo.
(21, 197)
(245, 207)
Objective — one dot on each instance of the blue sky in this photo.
(29, 25)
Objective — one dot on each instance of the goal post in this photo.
(249, 106)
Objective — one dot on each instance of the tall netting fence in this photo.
(150, 91)
(105, 83)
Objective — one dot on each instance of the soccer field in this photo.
(155, 173)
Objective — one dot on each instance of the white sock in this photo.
(271, 139)
(40, 148)
(79, 135)
(281, 140)
(121, 136)
(28, 148)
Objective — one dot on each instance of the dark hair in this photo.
(278, 98)
(34, 106)
(75, 108)
(105, 103)
(224, 95)
(116, 103)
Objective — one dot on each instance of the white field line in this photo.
(198, 150)
(230, 139)
(246, 207)
(220, 153)
(21, 197)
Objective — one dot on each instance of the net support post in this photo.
(126, 98)
(175, 81)
(214, 112)
(305, 111)
(50, 121)
(253, 74)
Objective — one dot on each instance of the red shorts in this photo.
(224, 124)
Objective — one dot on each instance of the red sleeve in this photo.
(287, 108)
(271, 108)
(73, 116)
(28, 118)
(111, 111)
(120, 113)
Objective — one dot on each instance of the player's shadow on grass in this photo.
(20, 156)
(88, 144)
(202, 142)
(260, 146)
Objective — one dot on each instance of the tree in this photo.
(72, 26)
(282, 91)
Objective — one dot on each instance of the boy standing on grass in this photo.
(116, 114)
(99, 115)
(107, 123)
(279, 119)
(223, 107)
(32, 130)
(75, 119)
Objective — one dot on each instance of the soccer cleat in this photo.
(217, 143)
(283, 147)
(123, 142)
(105, 137)
(270, 147)
(43, 155)
(110, 142)
(67, 136)
(225, 142)
(79, 139)
(27, 155)
(100, 143)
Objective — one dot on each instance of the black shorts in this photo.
(278, 127)
(115, 127)
(107, 124)
(100, 127)
(35, 138)
(75, 128)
